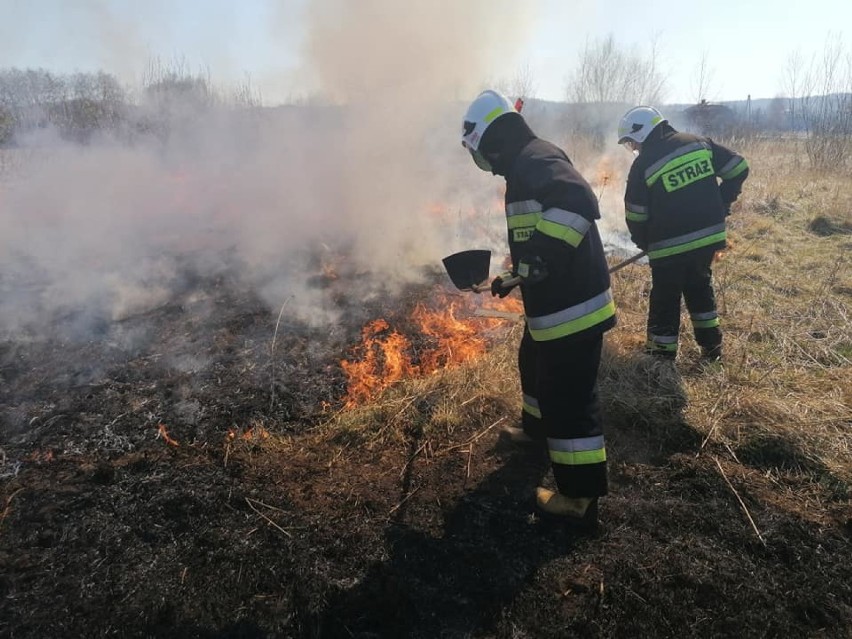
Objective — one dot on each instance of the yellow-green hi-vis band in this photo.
(491, 115)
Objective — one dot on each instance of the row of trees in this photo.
(606, 77)
(816, 101)
(81, 105)
(819, 98)
(76, 104)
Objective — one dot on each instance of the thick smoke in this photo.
(370, 169)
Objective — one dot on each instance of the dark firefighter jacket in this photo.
(551, 213)
(674, 203)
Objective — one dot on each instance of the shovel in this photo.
(468, 270)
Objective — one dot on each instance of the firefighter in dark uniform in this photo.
(556, 250)
(679, 192)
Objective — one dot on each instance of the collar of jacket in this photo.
(504, 140)
(658, 134)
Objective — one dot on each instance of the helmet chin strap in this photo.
(632, 145)
(480, 160)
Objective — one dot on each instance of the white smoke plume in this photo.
(372, 166)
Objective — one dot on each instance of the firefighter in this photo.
(679, 192)
(556, 250)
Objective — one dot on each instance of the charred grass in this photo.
(275, 512)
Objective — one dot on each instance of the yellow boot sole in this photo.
(578, 512)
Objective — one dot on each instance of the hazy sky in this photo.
(746, 43)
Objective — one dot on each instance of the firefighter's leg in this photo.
(664, 310)
(701, 304)
(570, 409)
(527, 367)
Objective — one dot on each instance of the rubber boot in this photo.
(581, 512)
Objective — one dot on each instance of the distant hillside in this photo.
(762, 114)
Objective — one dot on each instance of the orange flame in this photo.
(384, 363)
(386, 355)
(329, 271)
(603, 172)
(457, 340)
(509, 303)
(252, 433)
(164, 434)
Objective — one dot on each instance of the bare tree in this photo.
(792, 84)
(703, 80)
(520, 85)
(245, 95)
(606, 80)
(826, 107)
(650, 82)
(607, 73)
(600, 75)
(172, 87)
(523, 83)
(77, 105)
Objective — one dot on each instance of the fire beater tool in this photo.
(468, 270)
(628, 261)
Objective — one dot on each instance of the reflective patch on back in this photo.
(687, 174)
(522, 235)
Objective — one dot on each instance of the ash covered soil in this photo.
(109, 530)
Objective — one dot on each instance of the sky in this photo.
(745, 44)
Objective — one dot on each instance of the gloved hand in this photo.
(497, 288)
(532, 269)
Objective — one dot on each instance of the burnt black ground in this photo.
(108, 531)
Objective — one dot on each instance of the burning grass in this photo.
(386, 356)
(276, 480)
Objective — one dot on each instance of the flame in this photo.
(386, 356)
(255, 432)
(329, 271)
(722, 253)
(509, 303)
(457, 340)
(164, 434)
(603, 172)
(384, 363)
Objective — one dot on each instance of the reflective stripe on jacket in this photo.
(551, 213)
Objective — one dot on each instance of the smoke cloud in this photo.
(370, 167)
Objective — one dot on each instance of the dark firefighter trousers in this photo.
(693, 280)
(559, 383)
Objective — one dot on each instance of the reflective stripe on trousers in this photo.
(531, 406)
(573, 319)
(577, 452)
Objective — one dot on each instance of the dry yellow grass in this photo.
(782, 401)
(780, 405)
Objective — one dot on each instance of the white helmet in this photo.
(638, 123)
(487, 107)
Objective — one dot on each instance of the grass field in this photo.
(143, 498)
